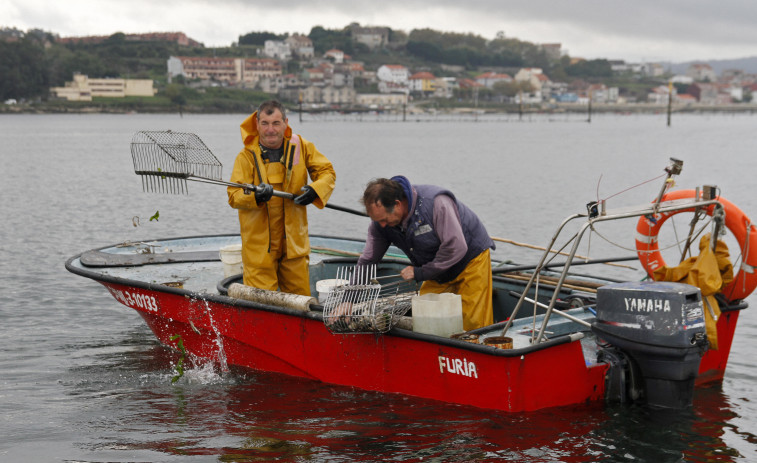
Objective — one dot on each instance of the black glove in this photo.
(263, 193)
(307, 197)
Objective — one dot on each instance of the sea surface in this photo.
(82, 379)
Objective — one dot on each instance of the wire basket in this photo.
(364, 305)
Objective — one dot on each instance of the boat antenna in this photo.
(675, 167)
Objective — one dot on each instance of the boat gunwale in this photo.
(102, 278)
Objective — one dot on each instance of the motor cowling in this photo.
(660, 327)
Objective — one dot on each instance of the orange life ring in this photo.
(736, 221)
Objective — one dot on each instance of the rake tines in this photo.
(165, 160)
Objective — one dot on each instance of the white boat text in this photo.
(634, 304)
(135, 300)
(457, 367)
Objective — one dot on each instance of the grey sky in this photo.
(638, 30)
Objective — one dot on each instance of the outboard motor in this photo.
(660, 327)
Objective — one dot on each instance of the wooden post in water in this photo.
(404, 112)
(475, 101)
(670, 99)
(300, 101)
(520, 105)
(589, 115)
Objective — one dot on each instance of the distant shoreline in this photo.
(562, 108)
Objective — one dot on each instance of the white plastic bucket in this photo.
(324, 288)
(439, 314)
(231, 256)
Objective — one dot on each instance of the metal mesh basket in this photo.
(364, 305)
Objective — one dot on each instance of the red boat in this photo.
(572, 338)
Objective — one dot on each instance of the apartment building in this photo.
(234, 71)
(82, 88)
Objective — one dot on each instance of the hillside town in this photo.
(330, 80)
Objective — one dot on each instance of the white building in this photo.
(394, 73)
(277, 49)
(701, 72)
(301, 46)
(372, 37)
(488, 79)
(336, 55)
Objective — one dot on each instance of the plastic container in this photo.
(231, 256)
(439, 314)
(324, 288)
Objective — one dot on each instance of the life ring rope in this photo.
(650, 257)
(648, 239)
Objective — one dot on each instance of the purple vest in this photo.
(421, 243)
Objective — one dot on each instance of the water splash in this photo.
(221, 356)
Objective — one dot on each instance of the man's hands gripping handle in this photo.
(264, 192)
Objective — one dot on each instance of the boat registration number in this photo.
(135, 300)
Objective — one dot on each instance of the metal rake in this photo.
(166, 160)
(364, 305)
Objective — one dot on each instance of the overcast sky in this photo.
(632, 30)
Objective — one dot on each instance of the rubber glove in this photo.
(263, 193)
(307, 197)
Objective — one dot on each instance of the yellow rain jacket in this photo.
(710, 272)
(277, 218)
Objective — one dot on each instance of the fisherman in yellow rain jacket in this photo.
(275, 242)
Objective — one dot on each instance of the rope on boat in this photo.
(339, 252)
(629, 188)
(541, 248)
(677, 243)
(745, 252)
(586, 286)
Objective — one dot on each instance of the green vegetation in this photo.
(472, 51)
(258, 38)
(22, 69)
(180, 363)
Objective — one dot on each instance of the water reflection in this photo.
(253, 416)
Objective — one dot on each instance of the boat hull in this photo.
(177, 292)
(299, 344)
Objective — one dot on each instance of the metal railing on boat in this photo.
(594, 217)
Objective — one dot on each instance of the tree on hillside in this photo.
(428, 51)
(397, 37)
(472, 50)
(23, 73)
(259, 38)
(326, 39)
(510, 89)
(448, 39)
(514, 52)
(591, 68)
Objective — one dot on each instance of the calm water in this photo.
(83, 379)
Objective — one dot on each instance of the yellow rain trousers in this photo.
(710, 271)
(275, 240)
(474, 285)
